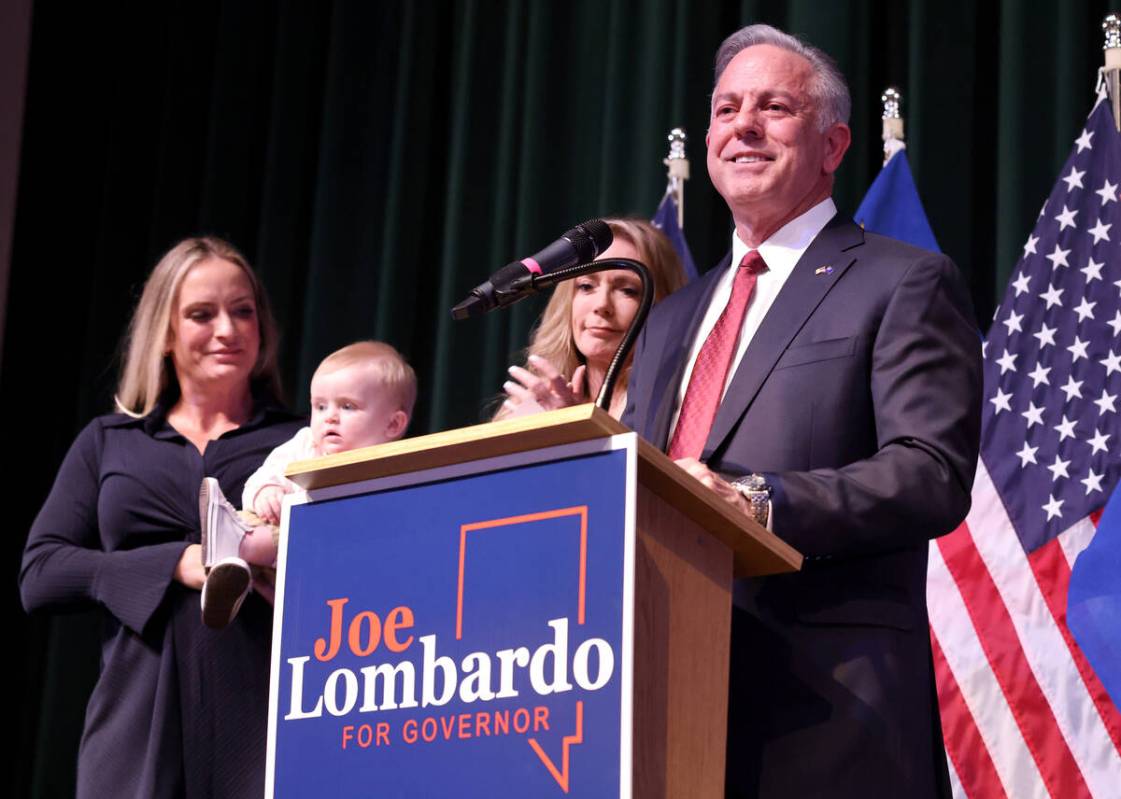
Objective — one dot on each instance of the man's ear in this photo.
(837, 141)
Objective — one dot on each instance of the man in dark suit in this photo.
(826, 381)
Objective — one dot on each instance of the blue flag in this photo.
(1094, 600)
(892, 206)
(665, 219)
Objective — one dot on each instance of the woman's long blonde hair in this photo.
(147, 372)
(552, 339)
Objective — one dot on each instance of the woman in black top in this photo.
(179, 710)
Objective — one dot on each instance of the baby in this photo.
(361, 395)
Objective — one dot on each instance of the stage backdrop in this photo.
(377, 160)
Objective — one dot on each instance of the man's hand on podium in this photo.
(710, 479)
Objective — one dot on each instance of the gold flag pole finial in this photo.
(677, 171)
(893, 122)
(1111, 27)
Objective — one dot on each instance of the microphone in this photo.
(514, 281)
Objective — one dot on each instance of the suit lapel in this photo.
(681, 333)
(800, 295)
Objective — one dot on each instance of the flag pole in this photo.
(1111, 26)
(677, 171)
(893, 122)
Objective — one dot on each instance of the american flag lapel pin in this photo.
(824, 270)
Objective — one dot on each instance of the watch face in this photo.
(755, 482)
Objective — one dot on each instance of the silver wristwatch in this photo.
(755, 489)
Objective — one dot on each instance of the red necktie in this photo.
(706, 384)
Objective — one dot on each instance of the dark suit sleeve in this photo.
(64, 565)
(925, 385)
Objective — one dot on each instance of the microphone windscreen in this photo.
(590, 239)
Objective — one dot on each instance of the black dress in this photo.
(179, 709)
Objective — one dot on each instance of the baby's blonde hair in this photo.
(390, 368)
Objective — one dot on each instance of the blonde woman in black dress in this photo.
(178, 710)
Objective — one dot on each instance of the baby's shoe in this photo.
(222, 528)
(226, 586)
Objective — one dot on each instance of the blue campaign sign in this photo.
(467, 634)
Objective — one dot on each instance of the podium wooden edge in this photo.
(755, 550)
(682, 625)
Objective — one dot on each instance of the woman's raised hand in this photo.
(543, 389)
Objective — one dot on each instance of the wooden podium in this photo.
(663, 621)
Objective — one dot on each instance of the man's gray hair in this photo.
(830, 92)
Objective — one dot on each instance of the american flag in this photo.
(1023, 713)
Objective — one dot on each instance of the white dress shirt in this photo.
(781, 252)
